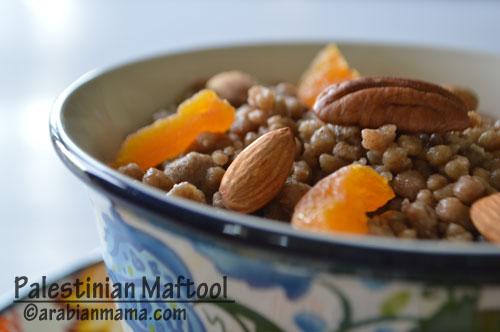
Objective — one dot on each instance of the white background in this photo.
(46, 219)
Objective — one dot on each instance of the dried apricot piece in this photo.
(338, 203)
(170, 136)
(328, 67)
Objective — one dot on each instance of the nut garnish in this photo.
(413, 106)
(259, 172)
(232, 85)
(485, 214)
(468, 96)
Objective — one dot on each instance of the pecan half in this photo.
(468, 96)
(411, 105)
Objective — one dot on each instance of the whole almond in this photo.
(232, 85)
(259, 172)
(485, 214)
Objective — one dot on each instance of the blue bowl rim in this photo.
(405, 258)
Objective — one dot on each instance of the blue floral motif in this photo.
(383, 329)
(373, 284)
(309, 322)
(256, 272)
(133, 254)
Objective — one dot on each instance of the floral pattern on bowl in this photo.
(281, 295)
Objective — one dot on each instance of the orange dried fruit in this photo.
(170, 136)
(339, 202)
(328, 67)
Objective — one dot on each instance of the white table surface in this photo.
(47, 223)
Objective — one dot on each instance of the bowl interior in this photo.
(101, 112)
(100, 109)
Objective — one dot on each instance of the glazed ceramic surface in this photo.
(279, 279)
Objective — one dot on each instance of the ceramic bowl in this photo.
(280, 279)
